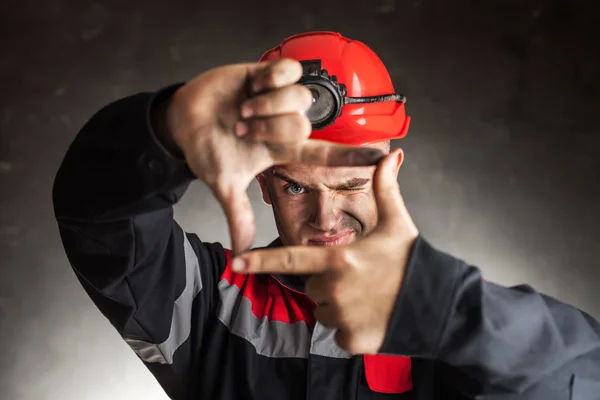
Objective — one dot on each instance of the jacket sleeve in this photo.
(490, 339)
(113, 198)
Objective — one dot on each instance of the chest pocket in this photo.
(388, 374)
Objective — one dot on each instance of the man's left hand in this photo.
(355, 286)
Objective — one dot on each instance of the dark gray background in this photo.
(502, 159)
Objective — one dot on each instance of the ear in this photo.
(400, 162)
(262, 182)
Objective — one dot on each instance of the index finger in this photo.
(286, 260)
(276, 74)
(325, 153)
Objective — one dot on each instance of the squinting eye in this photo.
(295, 189)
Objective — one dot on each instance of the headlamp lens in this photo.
(324, 104)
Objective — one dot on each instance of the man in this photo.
(350, 302)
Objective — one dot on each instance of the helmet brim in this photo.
(359, 128)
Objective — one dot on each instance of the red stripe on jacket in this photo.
(269, 298)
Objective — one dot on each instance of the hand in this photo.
(355, 286)
(227, 137)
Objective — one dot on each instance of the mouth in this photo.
(327, 241)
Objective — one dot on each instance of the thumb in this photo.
(386, 189)
(240, 217)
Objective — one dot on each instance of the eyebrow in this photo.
(349, 184)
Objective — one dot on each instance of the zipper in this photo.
(309, 367)
(309, 362)
(312, 338)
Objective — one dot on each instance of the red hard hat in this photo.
(362, 72)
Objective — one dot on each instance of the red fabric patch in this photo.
(270, 298)
(388, 374)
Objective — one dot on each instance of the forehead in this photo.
(315, 175)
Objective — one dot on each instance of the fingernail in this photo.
(241, 128)
(239, 265)
(246, 111)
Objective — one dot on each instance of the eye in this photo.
(294, 189)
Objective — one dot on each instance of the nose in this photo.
(326, 215)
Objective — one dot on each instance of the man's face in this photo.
(321, 206)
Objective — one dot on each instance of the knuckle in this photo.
(288, 261)
(263, 105)
(260, 126)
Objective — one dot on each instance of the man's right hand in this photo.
(228, 137)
